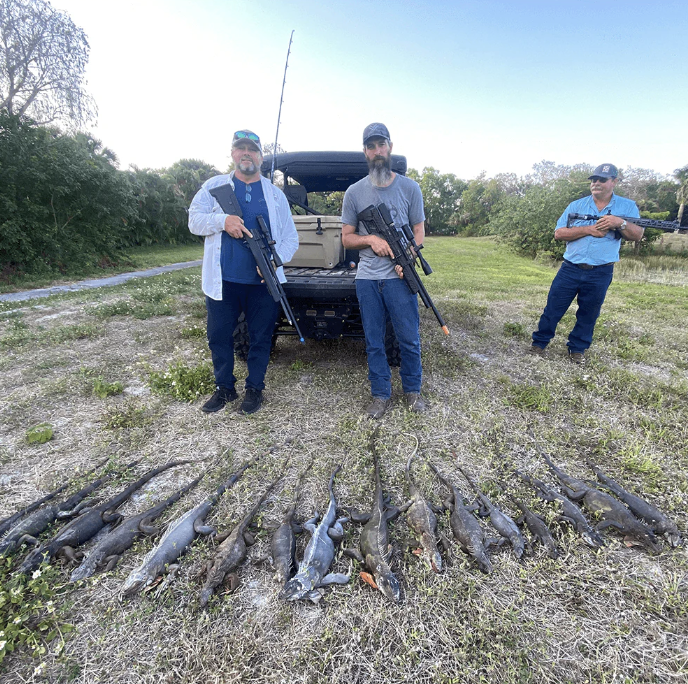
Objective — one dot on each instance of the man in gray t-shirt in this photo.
(382, 293)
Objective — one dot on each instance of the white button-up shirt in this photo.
(206, 218)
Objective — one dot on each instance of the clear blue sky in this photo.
(463, 86)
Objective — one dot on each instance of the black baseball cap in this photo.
(375, 130)
(604, 171)
(247, 136)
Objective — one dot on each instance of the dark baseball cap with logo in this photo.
(246, 136)
(604, 171)
(375, 130)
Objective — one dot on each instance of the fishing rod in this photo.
(279, 113)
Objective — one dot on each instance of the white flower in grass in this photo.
(2, 644)
(36, 574)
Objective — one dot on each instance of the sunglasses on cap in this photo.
(599, 179)
(246, 136)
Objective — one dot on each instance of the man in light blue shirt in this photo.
(592, 247)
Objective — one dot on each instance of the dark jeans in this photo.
(261, 313)
(380, 299)
(590, 286)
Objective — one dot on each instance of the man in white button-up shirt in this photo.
(230, 279)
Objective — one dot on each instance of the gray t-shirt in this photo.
(404, 201)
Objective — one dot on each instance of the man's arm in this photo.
(205, 220)
(419, 232)
(600, 229)
(350, 240)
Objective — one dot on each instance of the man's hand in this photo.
(399, 270)
(234, 227)
(380, 246)
(605, 224)
(260, 274)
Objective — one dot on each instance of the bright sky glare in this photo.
(463, 86)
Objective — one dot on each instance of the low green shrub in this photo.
(39, 434)
(183, 382)
(103, 389)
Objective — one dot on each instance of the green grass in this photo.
(135, 259)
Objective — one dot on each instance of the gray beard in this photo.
(380, 172)
(248, 168)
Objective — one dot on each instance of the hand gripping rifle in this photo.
(378, 221)
(263, 249)
(668, 226)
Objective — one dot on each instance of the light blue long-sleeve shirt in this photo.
(593, 250)
(207, 219)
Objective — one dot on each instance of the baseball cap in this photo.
(605, 171)
(247, 136)
(375, 130)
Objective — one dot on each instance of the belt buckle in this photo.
(586, 267)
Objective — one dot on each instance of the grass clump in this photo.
(31, 614)
(515, 330)
(182, 382)
(193, 331)
(530, 397)
(39, 434)
(103, 389)
(128, 415)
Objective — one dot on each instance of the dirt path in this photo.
(95, 282)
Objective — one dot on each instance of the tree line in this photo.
(65, 205)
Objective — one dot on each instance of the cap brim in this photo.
(240, 141)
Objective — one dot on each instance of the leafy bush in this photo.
(182, 382)
(103, 389)
(39, 434)
(30, 613)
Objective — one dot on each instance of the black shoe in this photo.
(252, 401)
(222, 396)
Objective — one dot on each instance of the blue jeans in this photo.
(380, 299)
(590, 286)
(261, 312)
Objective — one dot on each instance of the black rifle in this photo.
(263, 249)
(378, 221)
(668, 226)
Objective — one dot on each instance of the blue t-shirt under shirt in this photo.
(238, 264)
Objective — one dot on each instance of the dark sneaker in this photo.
(378, 408)
(252, 401)
(415, 402)
(577, 358)
(222, 396)
(536, 351)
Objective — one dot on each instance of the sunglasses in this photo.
(247, 136)
(598, 179)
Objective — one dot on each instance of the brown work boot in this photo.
(536, 351)
(577, 358)
(378, 408)
(415, 402)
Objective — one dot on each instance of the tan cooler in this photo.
(320, 242)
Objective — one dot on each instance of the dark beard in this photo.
(380, 169)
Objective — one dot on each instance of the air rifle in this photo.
(263, 249)
(668, 226)
(378, 221)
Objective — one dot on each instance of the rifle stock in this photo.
(263, 250)
(378, 221)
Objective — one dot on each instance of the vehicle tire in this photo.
(392, 347)
(241, 339)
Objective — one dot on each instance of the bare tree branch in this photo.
(43, 56)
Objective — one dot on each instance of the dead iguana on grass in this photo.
(88, 524)
(375, 549)
(107, 552)
(423, 521)
(39, 520)
(465, 527)
(177, 539)
(538, 528)
(659, 523)
(312, 574)
(506, 527)
(611, 511)
(231, 552)
(570, 513)
(10, 522)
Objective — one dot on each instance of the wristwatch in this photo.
(622, 227)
